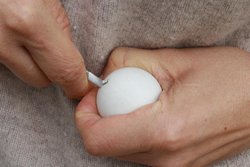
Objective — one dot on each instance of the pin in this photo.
(96, 80)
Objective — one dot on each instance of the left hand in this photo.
(203, 113)
(36, 45)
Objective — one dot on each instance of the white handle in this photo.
(96, 80)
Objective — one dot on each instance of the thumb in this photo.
(116, 135)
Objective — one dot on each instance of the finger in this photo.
(117, 135)
(196, 154)
(63, 66)
(22, 65)
(156, 62)
(223, 152)
(219, 146)
(59, 14)
(86, 113)
(54, 52)
(130, 57)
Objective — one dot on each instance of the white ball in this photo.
(127, 90)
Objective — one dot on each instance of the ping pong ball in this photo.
(127, 89)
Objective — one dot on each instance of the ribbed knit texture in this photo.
(37, 126)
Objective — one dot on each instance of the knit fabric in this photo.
(37, 126)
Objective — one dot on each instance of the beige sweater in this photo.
(37, 127)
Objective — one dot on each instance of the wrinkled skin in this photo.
(35, 44)
(202, 115)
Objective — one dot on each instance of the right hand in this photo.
(36, 45)
(202, 115)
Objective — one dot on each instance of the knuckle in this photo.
(173, 136)
(68, 75)
(62, 18)
(78, 116)
(97, 143)
(118, 56)
(23, 19)
(94, 146)
(31, 74)
(164, 76)
(82, 123)
(173, 141)
(119, 51)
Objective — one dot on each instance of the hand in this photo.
(35, 44)
(201, 116)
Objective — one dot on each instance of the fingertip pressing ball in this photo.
(127, 89)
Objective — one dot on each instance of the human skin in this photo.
(35, 44)
(201, 116)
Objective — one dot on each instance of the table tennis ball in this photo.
(127, 89)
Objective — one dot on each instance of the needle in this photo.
(96, 80)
